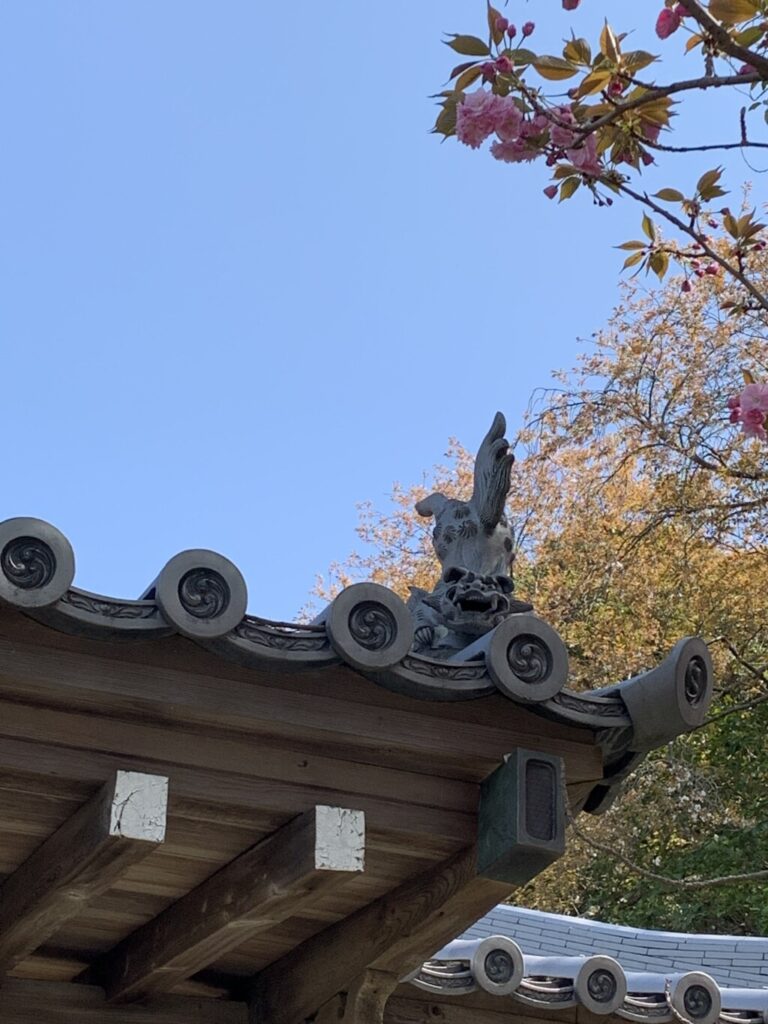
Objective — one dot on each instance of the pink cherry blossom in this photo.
(512, 31)
(754, 396)
(509, 119)
(585, 157)
(752, 423)
(502, 24)
(476, 117)
(514, 152)
(734, 402)
(667, 22)
(570, 5)
(650, 130)
(560, 133)
(503, 65)
(528, 28)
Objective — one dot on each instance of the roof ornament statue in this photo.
(475, 545)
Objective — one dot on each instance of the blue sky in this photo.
(242, 288)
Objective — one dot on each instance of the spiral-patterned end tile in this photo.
(369, 627)
(601, 984)
(498, 965)
(696, 997)
(202, 594)
(526, 659)
(672, 698)
(37, 564)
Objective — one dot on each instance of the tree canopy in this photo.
(640, 518)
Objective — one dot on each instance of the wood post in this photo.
(363, 1003)
(263, 886)
(118, 827)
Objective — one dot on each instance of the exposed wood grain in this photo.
(421, 738)
(398, 924)
(120, 825)
(175, 746)
(42, 1002)
(362, 1003)
(263, 886)
(207, 794)
(459, 1010)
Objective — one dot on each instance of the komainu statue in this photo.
(475, 545)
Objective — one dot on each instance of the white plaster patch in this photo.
(339, 839)
(139, 806)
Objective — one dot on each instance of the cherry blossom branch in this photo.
(714, 255)
(660, 91)
(724, 39)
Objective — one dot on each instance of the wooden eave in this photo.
(253, 725)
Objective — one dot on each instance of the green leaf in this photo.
(554, 68)
(593, 82)
(493, 16)
(633, 260)
(708, 180)
(466, 78)
(636, 60)
(733, 11)
(731, 224)
(693, 40)
(461, 68)
(750, 35)
(659, 263)
(521, 56)
(669, 195)
(649, 229)
(446, 121)
(568, 187)
(577, 51)
(635, 244)
(471, 46)
(609, 44)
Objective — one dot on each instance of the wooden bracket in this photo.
(118, 827)
(362, 1003)
(263, 886)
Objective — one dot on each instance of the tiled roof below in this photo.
(553, 962)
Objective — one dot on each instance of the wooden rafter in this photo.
(119, 826)
(263, 886)
(392, 934)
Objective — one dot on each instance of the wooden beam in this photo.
(263, 886)
(114, 830)
(401, 929)
(461, 1010)
(363, 1003)
(33, 1002)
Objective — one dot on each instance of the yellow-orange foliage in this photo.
(641, 517)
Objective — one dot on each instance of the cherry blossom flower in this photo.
(570, 5)
(752, 423)
(476, 117)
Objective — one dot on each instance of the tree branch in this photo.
(734, 272)
(723, 38)
(664, 880)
